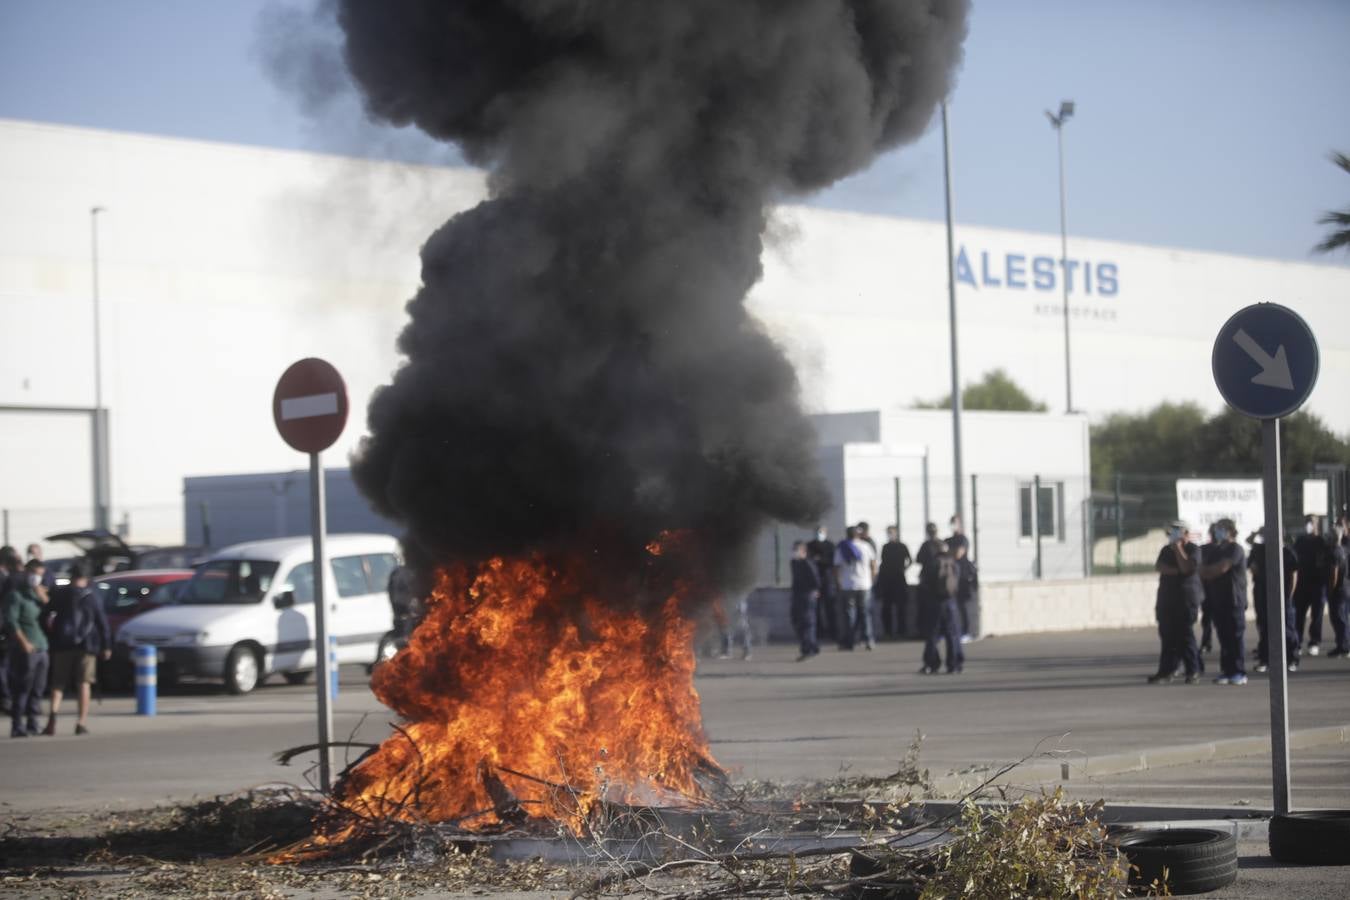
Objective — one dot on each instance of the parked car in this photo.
(106, 553)
(126, 595)
(248, 611)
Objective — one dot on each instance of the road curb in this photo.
(1067, 767)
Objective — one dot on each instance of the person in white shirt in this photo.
(855, 568)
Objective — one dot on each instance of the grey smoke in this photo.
(580, 364)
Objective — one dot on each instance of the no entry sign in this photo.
(310, 405)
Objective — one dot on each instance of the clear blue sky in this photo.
(1202, 124)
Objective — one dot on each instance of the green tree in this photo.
(996, 391)
(1178, 439)
(1339, 236)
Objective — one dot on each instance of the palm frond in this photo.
(1341, 160)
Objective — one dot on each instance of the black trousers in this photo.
(1230, 624)
(1291, 639)
(1309, 603)
(1176, 632)
(942, 621)
(1338, 607)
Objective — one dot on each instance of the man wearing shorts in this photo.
(79, 636)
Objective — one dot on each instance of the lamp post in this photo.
(957, 476)
(102, 500)
(1057, 123)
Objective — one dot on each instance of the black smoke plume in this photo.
(580, 364)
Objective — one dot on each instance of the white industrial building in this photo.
(219, 265)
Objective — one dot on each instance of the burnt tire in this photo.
(1316, 836)
(1187, 860)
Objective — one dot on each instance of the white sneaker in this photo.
(1293, 667)
(965, 639)
(1238, 680)
(1223, 679)
(1314, 650)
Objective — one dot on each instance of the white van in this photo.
(249, 611)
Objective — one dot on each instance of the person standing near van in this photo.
(1225, 583)
(1178, 606)
(79, 638)
(23, 609)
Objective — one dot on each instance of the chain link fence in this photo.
(1130, 511)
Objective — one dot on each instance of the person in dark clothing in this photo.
(10, 566)
(1256, 564)
(1338, 589)
(1224, 577)
(79, 638)
(805, 598)
(821, 552)
(1309, 595)
(23, 610)
(1206, 606)
(958, 537)
(941, 620)
(892, 587)
(967, 588)
(1178, 606)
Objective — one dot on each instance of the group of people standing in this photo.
(834, 587)
(1209, 583)
(52, 638)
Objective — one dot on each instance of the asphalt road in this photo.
(1079, 695)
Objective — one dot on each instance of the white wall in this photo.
(222, 264)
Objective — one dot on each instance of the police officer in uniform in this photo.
(1178, 606)
(1256, 563)
(1309, 601)
(1225, 582)
(1338, 589)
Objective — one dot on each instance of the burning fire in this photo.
(528, 696)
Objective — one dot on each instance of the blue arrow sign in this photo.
(1265, 361)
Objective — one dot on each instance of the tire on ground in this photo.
(1317, 836)
(1188, 860)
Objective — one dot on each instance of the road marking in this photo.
(309, 406)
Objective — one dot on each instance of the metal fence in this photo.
(1130, 511)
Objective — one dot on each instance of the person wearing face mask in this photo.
(1225, 581)
(23, 608)
(821, 552)
(1178, 606)
(1309, 595)
(1338, 589)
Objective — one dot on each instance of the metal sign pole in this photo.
(1275, 623)
(322, 687)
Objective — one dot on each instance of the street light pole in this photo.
(1057, 122)
(102, 492)
(958, 477)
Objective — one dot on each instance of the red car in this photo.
(127, 594)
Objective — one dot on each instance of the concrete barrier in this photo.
(1012, 607)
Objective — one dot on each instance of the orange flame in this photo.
(529, 697)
